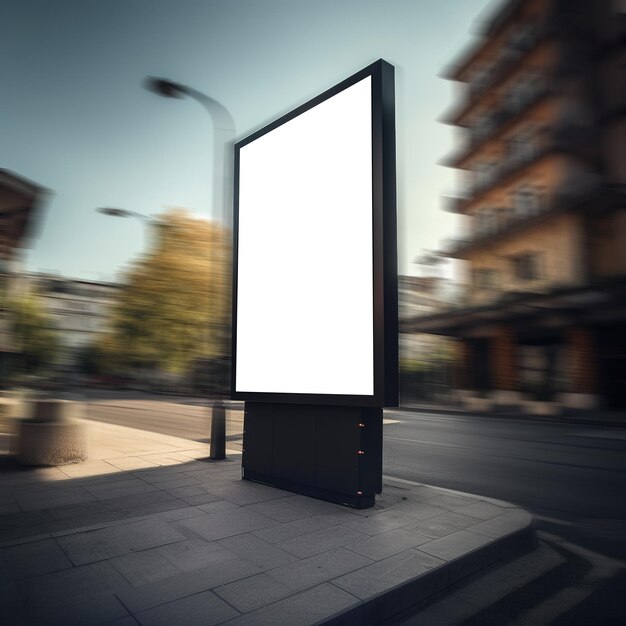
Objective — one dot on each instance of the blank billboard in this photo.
(305, 295)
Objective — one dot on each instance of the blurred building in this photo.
(542, 112)
(424, 362)
(417, 296)
(20, 207)
(78, 309)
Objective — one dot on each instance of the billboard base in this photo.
(329, 452)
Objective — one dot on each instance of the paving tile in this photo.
(481, 510)
(118, 503)
(217, 505)
(382, 522)
(10, 507)
(11, 601)
(453, 501)
(105, 492)
(201, 609)
(512, 521)
(243, 492)
(442, 525)
(387, 574)
(222, 524)
(187, 584)
(321, 541)
(130, 463)
(308, 607)
(150, 508)
(141, 568)
(105, 543)
(194, 489)
(174, 481)
(72, 586)
(105, 610)
(123, 621)
(54, 498)
(259, 552)
(191, 554)
(201, 498)
(74, 511)
(455, 545)
(387, 544)
(180, 513)
(292, 507)
(318, 569)
(35, 559)
(302, 526)
(253, 592)
(23, 525)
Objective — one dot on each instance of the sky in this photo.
(75, 119)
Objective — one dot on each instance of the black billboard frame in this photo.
(384, 247)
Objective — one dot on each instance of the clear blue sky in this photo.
(75, 118)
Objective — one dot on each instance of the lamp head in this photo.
(113, 211)
(163, 87)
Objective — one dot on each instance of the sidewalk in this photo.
(147, 532)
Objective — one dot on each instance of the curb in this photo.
(562, 419)
(422, 590)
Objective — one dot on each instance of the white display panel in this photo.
(304, 322)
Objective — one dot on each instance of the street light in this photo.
(223, 140)
(117, 212)
(223, 144)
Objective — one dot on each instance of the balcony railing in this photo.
(563, 198)
(500, 118)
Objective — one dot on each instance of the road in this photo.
(571, 476)
(568, 475)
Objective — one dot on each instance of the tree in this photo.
(36, 340)
(173, 307)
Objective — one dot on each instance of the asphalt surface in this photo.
(572, 477)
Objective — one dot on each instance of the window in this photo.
(502, 217)
(526, 266)
(525, 201)
(484, 278)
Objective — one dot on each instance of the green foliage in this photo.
(173, 307)
(33, 332)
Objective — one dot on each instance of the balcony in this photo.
(501, 118)
(573, 194)
(566, 136)
(509, 58)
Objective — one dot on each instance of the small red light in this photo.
(361, 425)
(359, 493)
(360, 452)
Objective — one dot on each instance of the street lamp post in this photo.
(223, 140)
(223, 144)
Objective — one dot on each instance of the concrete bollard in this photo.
(52, 436)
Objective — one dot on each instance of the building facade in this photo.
(542, 109)
(20, 206)
(78, 310)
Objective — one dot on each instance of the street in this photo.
(571, 476)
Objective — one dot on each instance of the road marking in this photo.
(430, 443)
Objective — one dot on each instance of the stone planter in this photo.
(53, 436)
